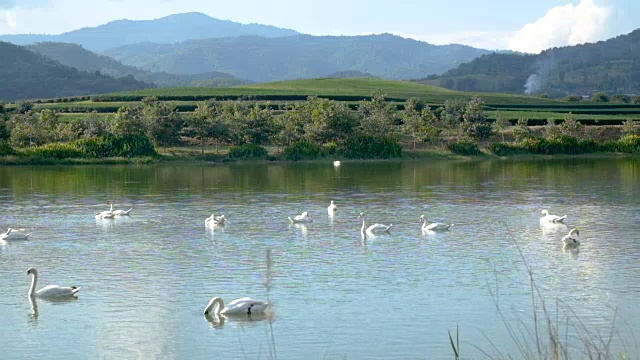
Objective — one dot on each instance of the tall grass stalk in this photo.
(542, 339)
(268, 278)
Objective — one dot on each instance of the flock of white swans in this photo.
(248, 306)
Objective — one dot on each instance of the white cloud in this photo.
(564, 25)
(8, 22)
(482, 39)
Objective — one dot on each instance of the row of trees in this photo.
(318, 121)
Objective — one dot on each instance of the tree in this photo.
(570, 126)
(206, 123)
(24, 129)
(415, 121)
(4, 129)
(629, 127)
(452, 112)
(600, 97)
(162, 122)
(23, 107)
(552, 130)
(474, 124)
(94, 125)
(521, 130)
(636, 100)
(248, 124)
(327, 120)
(128, 120)
(501, 124)
(621, 98)
(377, 116)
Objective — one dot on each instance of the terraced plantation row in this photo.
(281, 95)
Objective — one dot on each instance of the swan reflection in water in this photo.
(35, 313)
(573, 252)
(550, 229)
(304, 230)
(218, 320)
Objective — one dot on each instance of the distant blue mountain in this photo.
(170, 29)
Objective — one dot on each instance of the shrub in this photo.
(330, 149)
(6, 149)
(55, 151)
(248, 151)
(372, 147)
(628, 144)
(505, 149)
(464, 147)
(302, 150)
(116, 146)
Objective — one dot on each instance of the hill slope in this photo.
(303, 56)
(26, 75)
(356, 88)
(82, 59)
(173, 28)
(609, 66)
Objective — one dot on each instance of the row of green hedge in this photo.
(566, 145)
(359, 147)
(109, 146)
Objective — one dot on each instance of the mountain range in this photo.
(611, 66)
(262, 59)
(76, 56)
(26, 75)
(169, 29)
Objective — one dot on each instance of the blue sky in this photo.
(498, 24)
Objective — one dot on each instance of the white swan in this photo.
(551, 218)
(51, 291)
(301, 219)
(242, 306)
(13, 234)
(118, 212)
(569, 240)
(433, 226)
(214, 220)
(336, 163)
(373, 229)
(105, 215)
(332, 208)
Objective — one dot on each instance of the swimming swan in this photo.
(118, 212)
(569, 240)
(13, 234)
(301, 219)
(240, 306)
(336, 163)
(214, 220)
(51, 291)
(433, 226)
(373, 229)
(551, 218)
(332, 208)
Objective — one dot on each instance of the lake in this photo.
(145, 279)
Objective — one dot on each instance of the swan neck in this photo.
(34, 280)
(216, 304)
(363, 225)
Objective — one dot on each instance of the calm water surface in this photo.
(146, 278)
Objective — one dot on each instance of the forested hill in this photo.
(608, 66)
(303, 56)
(27, 75)
(173, 28)
(82, 59)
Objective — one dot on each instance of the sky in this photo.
(521, 25)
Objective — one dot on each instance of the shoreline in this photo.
(408, 156)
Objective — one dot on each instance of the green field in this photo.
(349, 91)
(357, 88)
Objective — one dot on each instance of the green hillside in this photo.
(360, 87)
(611, 66)
(27, 75)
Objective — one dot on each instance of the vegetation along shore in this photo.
(308, 120)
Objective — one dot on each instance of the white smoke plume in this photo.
(564, 25)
